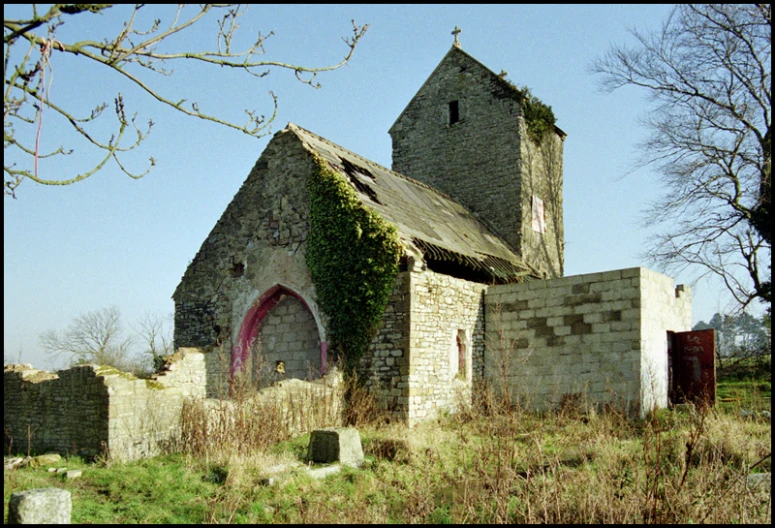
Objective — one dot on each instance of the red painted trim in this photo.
(252, 322)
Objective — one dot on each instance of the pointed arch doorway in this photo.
(280, 338)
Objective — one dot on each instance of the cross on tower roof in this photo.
(455, 32)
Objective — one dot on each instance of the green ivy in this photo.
(539, 117)
(352, 253)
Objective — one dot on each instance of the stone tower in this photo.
(465, 133)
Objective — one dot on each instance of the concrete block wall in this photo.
(587, 336)
(664, 307)
(288, 334)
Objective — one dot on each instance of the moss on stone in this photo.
(107, 370)
(153, 384)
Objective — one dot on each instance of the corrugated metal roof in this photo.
(427, 219)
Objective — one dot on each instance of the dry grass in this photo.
(250, 422)
(495, 462)
(491, 462)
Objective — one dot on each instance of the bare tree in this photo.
(707, 70)
(93, 337)
(156, 338)
(141, 56)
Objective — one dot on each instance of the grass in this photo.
(489, 462)
(476, 466)
(745, 384)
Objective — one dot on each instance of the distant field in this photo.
(745, 383)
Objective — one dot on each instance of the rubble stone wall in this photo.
(44, 412)
(442, 309)
(89, 410)
(385, 367)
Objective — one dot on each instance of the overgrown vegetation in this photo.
(539, 117)
(491, 461)
(352, 254)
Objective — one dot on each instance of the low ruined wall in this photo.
(44, 412)
(144, 415)
(600, 336)
(290, 407)
(90, 410)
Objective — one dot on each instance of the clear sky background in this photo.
(110, 240)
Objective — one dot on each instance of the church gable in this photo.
(255, 244)
(465, 134)
(458, 77)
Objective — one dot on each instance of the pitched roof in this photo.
(428, 220)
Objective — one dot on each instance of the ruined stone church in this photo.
(475, 195)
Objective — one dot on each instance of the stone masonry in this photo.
(256, 245)
(485, 159)
(413, 365)
(443, 308)
(90, 410)
(476, 200)
(288, 335)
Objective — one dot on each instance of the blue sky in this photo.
(110, 240)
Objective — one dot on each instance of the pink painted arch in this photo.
(252, 322)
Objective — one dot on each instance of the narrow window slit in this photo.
(454, 112)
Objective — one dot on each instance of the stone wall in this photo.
(385, 367)
(442, 308)
(601, 336)
(662, 307)
(484, 160)
(415, 377)
(288, 334)
(258, 243)
(44, 412)
(90, 410)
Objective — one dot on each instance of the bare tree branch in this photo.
(156, 339)
(28, 75)
(708, 71)
(93, 337)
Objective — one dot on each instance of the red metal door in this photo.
(693, 367)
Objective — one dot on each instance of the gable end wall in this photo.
(258, 243)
